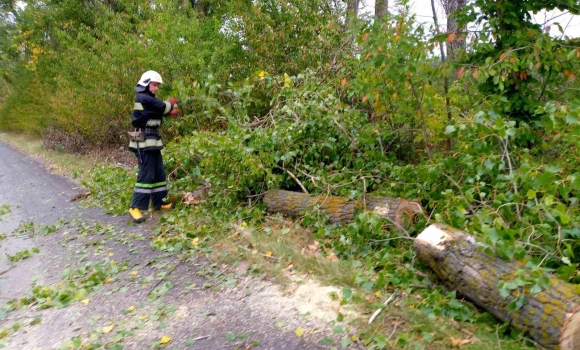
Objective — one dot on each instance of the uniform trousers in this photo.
(151, 181)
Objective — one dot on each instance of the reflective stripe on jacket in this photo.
(148, 112)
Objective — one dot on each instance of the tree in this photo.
(7, 51)
(446, 78)
(451, 10)
(381, 8)
(203, 7)
(517, 63)
(352, 10)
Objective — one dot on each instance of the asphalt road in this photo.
(245, 313)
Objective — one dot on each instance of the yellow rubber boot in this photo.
(136, 215)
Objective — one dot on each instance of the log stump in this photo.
(551, 317)
(340, 209)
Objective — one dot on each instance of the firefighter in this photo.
(148, 116)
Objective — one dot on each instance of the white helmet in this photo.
(146, 78)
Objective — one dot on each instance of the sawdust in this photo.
(305, 298)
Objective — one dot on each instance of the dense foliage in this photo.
(285, 94)
(521, 63)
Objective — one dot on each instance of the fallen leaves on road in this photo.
(164, 340)
(299, 332)
(107, 329)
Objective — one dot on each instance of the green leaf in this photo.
(552, 168)
(570, 119)
(160, 290)
(231, 336)
(345, 342)
(517, 303)
(327, 341)
(347, 294)
(503, 291)
(455, 304)
(428, 337)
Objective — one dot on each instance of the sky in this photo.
(422, 9)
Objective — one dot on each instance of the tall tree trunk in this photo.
(446, 80)
(201, 6)
(381, 7)
(352, 10)
(423, 121)
(113, 5)
(451, 7)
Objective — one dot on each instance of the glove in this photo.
(174, 112)
(173, 101)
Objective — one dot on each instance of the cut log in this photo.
(340, 209)
(551, 317)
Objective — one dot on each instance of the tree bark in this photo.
(446, 79)
(551, 317)
(381, 7)
(451, 7)
(202, 6)
(339, 209)
(351, 10)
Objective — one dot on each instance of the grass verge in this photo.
(59, 162)
(419, 317)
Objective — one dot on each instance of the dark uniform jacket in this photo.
(148, 116)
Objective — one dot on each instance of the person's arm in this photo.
(157, 106)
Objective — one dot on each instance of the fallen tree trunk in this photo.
(550, 317)
(340, 209)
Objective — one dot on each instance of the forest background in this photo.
(476, 116)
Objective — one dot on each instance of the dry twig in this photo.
(352, 140)
(376, 313)
(8, 269)
(181, 261)
(297, 181)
